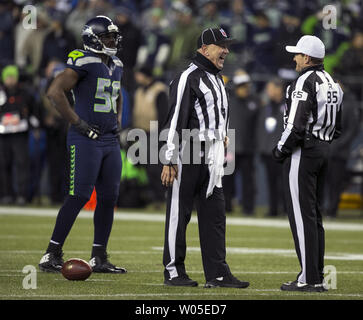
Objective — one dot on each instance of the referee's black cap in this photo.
(215, 36)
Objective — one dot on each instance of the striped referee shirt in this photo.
(197, 101)
(313, 106)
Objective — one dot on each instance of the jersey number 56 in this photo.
(109, 98)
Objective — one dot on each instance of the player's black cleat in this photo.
(100, 264)
(227, 281)
(181, 281)
(51, 261)
(302, 287)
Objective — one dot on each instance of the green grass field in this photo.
(258, 250)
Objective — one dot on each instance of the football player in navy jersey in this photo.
(94, 76)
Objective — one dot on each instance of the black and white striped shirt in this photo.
(313, 106)
(198, 102)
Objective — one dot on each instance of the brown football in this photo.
(76, 269)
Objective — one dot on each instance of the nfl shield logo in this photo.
(224, 34)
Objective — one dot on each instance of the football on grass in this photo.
(76, 269)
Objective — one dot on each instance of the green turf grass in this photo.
(137, 245)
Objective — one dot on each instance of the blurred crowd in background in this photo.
(159, 39)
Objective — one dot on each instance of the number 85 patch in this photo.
(299, 95)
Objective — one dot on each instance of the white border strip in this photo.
(295, 197)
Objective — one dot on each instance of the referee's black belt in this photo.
(311, 138)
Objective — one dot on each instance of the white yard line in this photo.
(8, 272)
(70, 252)
(157, 217)
(280, 252)
(288, 253)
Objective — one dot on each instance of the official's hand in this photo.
(169, 173)
(84, 128)
(278, 156)
(226, 142)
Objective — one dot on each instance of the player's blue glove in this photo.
(87, 130)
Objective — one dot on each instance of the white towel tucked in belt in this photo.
(215, 165)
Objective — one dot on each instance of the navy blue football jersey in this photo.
(97, 90)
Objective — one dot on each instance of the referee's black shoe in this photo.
(227, 281)
(302, 287)
(181, 281)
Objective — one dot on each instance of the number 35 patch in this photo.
(299, 95)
